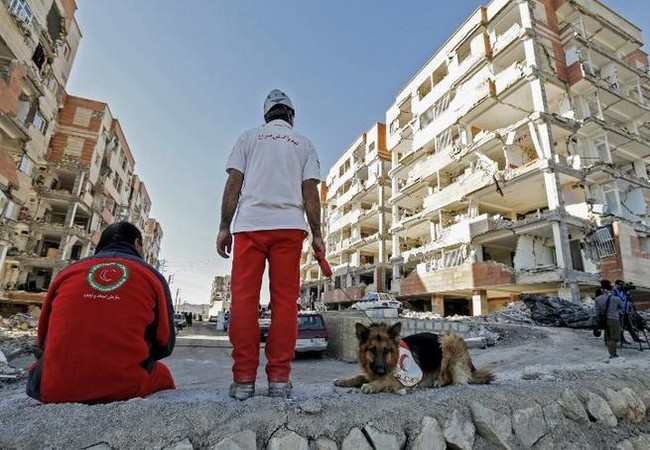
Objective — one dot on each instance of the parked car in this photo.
(179, 321)
(374, 300)
(312, 333)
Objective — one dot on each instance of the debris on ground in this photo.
(17, 338)
(556, 312)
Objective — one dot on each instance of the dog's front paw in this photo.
(340, 382)
(369, 388)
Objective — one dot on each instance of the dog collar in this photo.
(408, 372)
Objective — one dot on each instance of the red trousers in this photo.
(251, 251)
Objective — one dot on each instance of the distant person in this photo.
(106, 321)
(626, 321)
(610, 307)
(188, 319)
(273, 176)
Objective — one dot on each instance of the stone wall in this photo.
(605, 412)
(342, 342)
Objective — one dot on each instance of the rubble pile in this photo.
(556, 312)
(514, 312)
(17, 338)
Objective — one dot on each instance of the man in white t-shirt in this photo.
(273, 176)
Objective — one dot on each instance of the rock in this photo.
(311, 406)
(355, 440)
(625, 445)
(477, 342)
(287, 440)
(553, 415)
(385, 441)
(640, 442)
(430, 437)
(459, 432)
(493, 426)
(528, 425)
(100, 446)
(325, 444)
(572, 408)
(645, 398)
(598, 409)
(244, 440)
(617, 403)
(185, 444)
(635, 407)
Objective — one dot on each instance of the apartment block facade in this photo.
(66, 169)
(153, 234)
(518, 164)
(518, 159)
(38, 43)
(220, 293)
(357, 217)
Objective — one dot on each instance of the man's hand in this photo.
(224, 243)
(318, 244)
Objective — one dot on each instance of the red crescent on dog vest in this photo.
(408, 372)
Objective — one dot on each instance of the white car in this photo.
(374, 300)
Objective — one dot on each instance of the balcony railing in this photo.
(457, 190)
(503, 40)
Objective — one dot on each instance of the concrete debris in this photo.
(556, 312)
(17, 338)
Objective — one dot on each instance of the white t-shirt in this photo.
(275, 161)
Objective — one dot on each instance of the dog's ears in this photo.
(361, 331)
(395, 330)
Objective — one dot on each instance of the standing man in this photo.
(626, 321)
(273, 176)
(106, 321)
(609, 305)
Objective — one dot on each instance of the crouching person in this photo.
(106, 321)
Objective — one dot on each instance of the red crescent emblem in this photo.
(401, 361)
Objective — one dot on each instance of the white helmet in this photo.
(276, 97)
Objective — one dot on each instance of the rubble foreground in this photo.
(553, 391)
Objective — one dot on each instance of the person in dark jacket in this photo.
(106, 321)
(610, 306)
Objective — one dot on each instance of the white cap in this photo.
(276, 97)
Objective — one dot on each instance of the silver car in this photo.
(376, 300)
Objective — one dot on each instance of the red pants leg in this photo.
(249, 262)
(160, 378)
(284, 282)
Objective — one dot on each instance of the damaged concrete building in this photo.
(38, 43)
(66, 169)
(519, 164)
(152, 235)
(357, 216)
(519, 159)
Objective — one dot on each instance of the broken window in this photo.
(424, 88)
(55, 23)
(21, 10)
(25, 165)
(602, 242)
(39, 57)
(39, 122)
(24, 106)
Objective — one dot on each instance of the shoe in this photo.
(280, 389)
(242, 391)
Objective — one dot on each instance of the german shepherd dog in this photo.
(443, 360)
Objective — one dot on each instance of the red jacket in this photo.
(105, 321)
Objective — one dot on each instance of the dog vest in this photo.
(408, 372)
